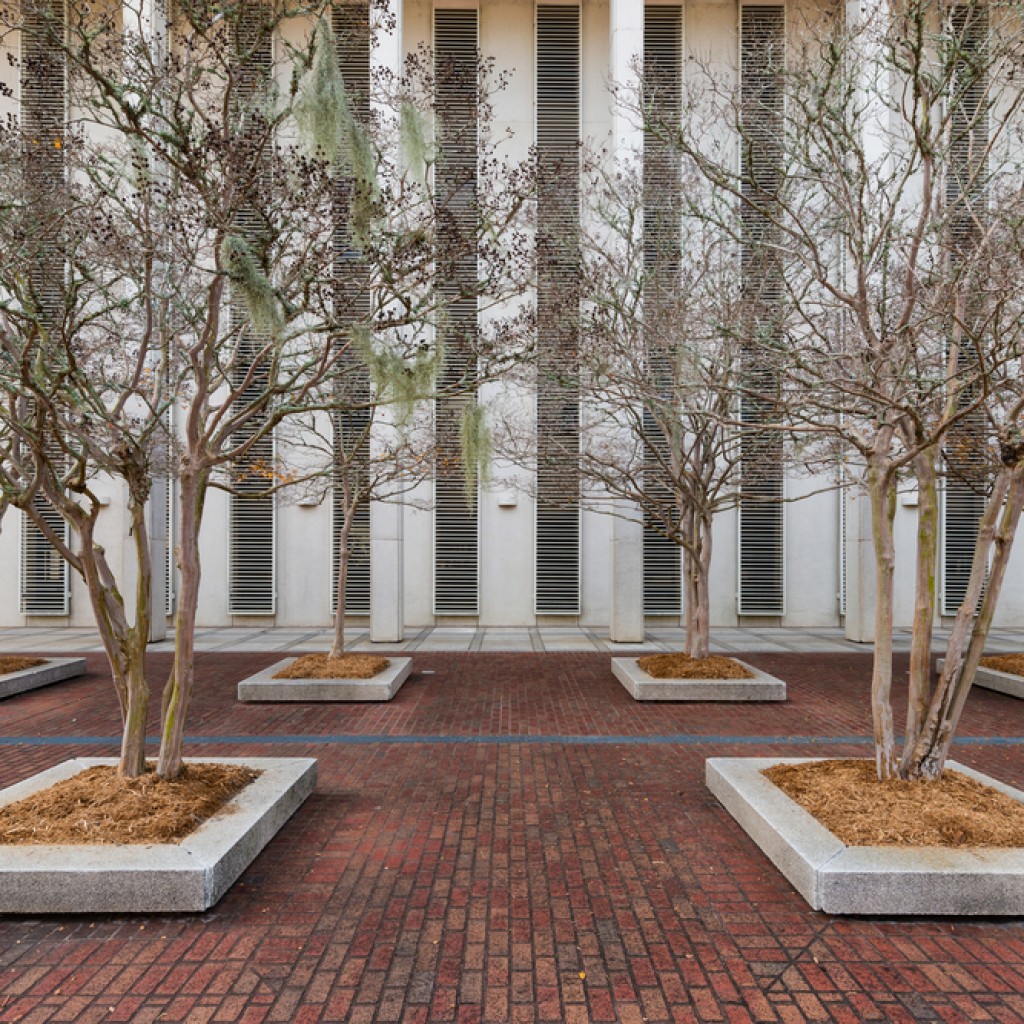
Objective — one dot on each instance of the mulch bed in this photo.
(954, 811)
(15, 663)
(1012, 663)
(682, 666)
(320, 666)
(99, 806)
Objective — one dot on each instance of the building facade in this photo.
(508, 557)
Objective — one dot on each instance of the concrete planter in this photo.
(53, 671)
(160, 878)
(993, 679)
(264, 687)
(642, 686)
(886, 880)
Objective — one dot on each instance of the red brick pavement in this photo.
(516, 882)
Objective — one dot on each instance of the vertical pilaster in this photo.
(627, 555)
(387, 575)
(147, 21)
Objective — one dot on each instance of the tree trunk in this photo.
(882, 493)
(997, 531)
(338, 643)
(920, 680)
(177, 696)
(124, 644)
(700, 568)
(133, 739)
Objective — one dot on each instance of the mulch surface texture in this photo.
(953, 811)
(1013, 663)
(98, 806)
(475, 852)
(320, 666)
(683, 666)
(15, 663)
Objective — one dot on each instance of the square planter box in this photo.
(642, 686)
(886, 880)
(53, 671)
(993, 679)
(264, 687)
(154, 878)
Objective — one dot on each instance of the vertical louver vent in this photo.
(351, 24)
(761, 511)
(456, 516)
(558, 299)
(44, 574)
(663, 32)
(251, 559)
(966, 486)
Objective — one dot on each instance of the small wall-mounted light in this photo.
(508, 499)
(909, 499)
(310, 501)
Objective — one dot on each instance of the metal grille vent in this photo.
(351, 24)
(44, 579)
(43, 117)
(456, 518)
(45, 586)
(663, 39)
(965, 493)
(251, 561)
(761, 510)
(558, 299)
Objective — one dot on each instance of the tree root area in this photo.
(682, 666)
(348, 666)
(953, 811)
(99, 806)
(16, 663)
(1012, 663)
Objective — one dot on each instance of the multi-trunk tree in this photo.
(891, 227)
(193, 277)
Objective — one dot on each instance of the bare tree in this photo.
(204, 278)
(890, 229)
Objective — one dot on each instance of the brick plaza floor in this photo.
(511, 839)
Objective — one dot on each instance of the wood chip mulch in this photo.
(98, 806)
(16, 663)
(954, 811)
(682, 666)
(348, 666)
(1012, 663)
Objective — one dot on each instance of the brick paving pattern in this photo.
(465, 879)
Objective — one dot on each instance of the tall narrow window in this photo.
(761, 511)
(456, 516)
(44, 574)
(351, 25)
(965, 493)
(558, 299)
(251, 561)
(663, 27)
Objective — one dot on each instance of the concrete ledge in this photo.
(53, 671)
(264, 687)
(170, 877)
(993, 679)
(642, 686)
(885, 880)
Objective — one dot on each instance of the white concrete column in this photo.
(866, 18)
(627, 556)
(146, 20)
(387, 571)
(859, 621)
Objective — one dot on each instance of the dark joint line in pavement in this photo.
(684, 740)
